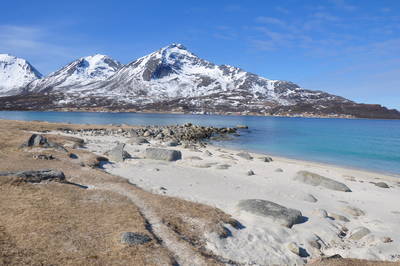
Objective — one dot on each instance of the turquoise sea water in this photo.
(359, 143)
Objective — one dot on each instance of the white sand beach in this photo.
(361, 224)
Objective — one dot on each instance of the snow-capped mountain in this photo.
(15, 73)
(174, 79)
(173, 73)
(76, 75)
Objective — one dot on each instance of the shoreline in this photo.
(283, 157)
(316, 163)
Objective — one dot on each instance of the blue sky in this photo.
(346, 47)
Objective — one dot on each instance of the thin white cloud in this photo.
(270, 20)
(37, 45)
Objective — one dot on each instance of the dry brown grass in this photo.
(351, 262)
(63, 224)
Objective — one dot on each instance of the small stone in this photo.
(43, 157)
(208, 153)
(381, 184)
(73, 156)
(223, 166)
(130, 238)
(387, 239)
(245, 155)
(250, 172)
(279, 170)
(266, 159)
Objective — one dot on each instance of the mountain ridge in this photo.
(173, 79)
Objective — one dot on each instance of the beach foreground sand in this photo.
(190, 206)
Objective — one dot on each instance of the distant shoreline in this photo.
(189, 113)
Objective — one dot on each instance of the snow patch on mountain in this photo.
(15, 73)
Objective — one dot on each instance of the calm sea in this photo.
(359, 143)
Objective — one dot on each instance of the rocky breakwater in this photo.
(175, 133)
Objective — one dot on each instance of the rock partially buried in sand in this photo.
(131, 239)
(250, 172)
(306, 197)
(222, 166)
(245, 155)
(359, 233)
(294, 248)
(266, 159)
(279, 170)
(277, 213)
(36, 176)
(318, 180)
(171, 143)
(138, 140)
(339, 217)
(381, 184)
(118, 154)
(353, 211)
(163, 154)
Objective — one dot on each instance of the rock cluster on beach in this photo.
(176, 133)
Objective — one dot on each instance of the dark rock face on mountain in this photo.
(174, 79)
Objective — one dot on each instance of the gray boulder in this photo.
(36, 140)
(277, 213)
(172, 143)
(130, 238)
(318, 180)
(163, 154)
(118, 154)
(245, 155)
(36, 176)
